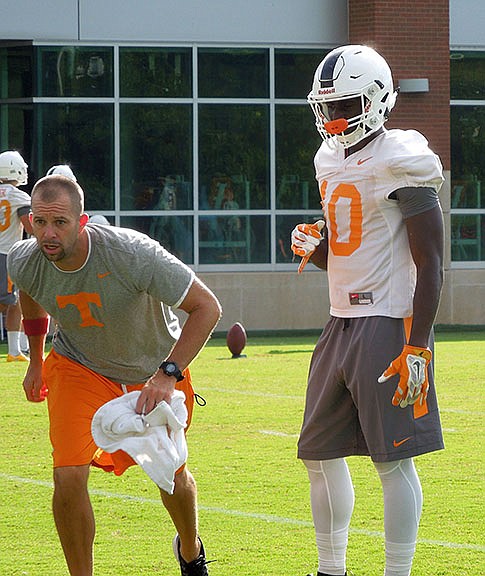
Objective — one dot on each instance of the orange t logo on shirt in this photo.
(81, 301)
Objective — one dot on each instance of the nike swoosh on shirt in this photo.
(362, 160)
(396, 444)
(103, 274)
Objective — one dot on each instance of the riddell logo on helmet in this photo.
(326, 90)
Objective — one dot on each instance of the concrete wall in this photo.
(214, 21)
(467, 22)
(309, 21)
(272, 300)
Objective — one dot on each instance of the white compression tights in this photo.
(332, 502)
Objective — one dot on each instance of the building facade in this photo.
(189, 121)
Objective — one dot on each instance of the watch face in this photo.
(170, 368)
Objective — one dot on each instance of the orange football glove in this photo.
(304, 240)
(412, 367)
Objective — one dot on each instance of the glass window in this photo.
(156, 156)
(294, 70)
(467, 237)
(297, 140)
(467, 74)
(156, 72)
(234, 239)
(231, 221)
(233, 156)
(175, 233)
(80, 135)
(233, 73)
(16, 71)
(467, 183)
(75, 71)
(467, 165)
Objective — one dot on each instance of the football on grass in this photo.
(236, 339)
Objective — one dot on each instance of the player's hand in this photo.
(305, 238)
(412, 367)
(304, 241)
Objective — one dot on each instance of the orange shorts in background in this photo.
(75, 393)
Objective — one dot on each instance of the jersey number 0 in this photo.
(346, 226)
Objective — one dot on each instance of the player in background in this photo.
(110, 291)
(99, 219)
(370, 386)
(63, 170)
(66, 170)
(14, 219)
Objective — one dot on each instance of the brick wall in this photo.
(413, 36)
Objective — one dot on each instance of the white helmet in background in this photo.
(63, 170)
(99, 219)
(13, 167)
(352, 72)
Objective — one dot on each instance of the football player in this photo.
(370, 386)
(63, 170)
(14, 218)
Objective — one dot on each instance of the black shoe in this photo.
(322, 574)
(197, 567)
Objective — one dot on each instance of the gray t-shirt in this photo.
(113, 314)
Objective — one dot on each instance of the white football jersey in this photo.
(11, 229)
(370, 268)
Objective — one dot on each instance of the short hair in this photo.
(50, 188)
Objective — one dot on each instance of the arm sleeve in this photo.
(23, 210)
(413, 201)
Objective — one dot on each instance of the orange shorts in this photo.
(75, 393)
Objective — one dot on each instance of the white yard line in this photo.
(253, 515)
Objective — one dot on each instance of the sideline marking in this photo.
(256, 516)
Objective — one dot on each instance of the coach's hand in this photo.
(157, 388)
(412, 367)
(34, 387)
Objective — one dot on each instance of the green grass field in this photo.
(253, 492)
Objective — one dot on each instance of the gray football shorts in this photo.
(8, 295)
(347, 412)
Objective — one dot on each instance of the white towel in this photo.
(156, 441)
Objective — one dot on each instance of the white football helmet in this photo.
(63, 170)
(99, 219)
(352, 72)
(13, 167)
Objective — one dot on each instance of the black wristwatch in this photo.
(171, 369)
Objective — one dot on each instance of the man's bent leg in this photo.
(182, 507)
(74, 518)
